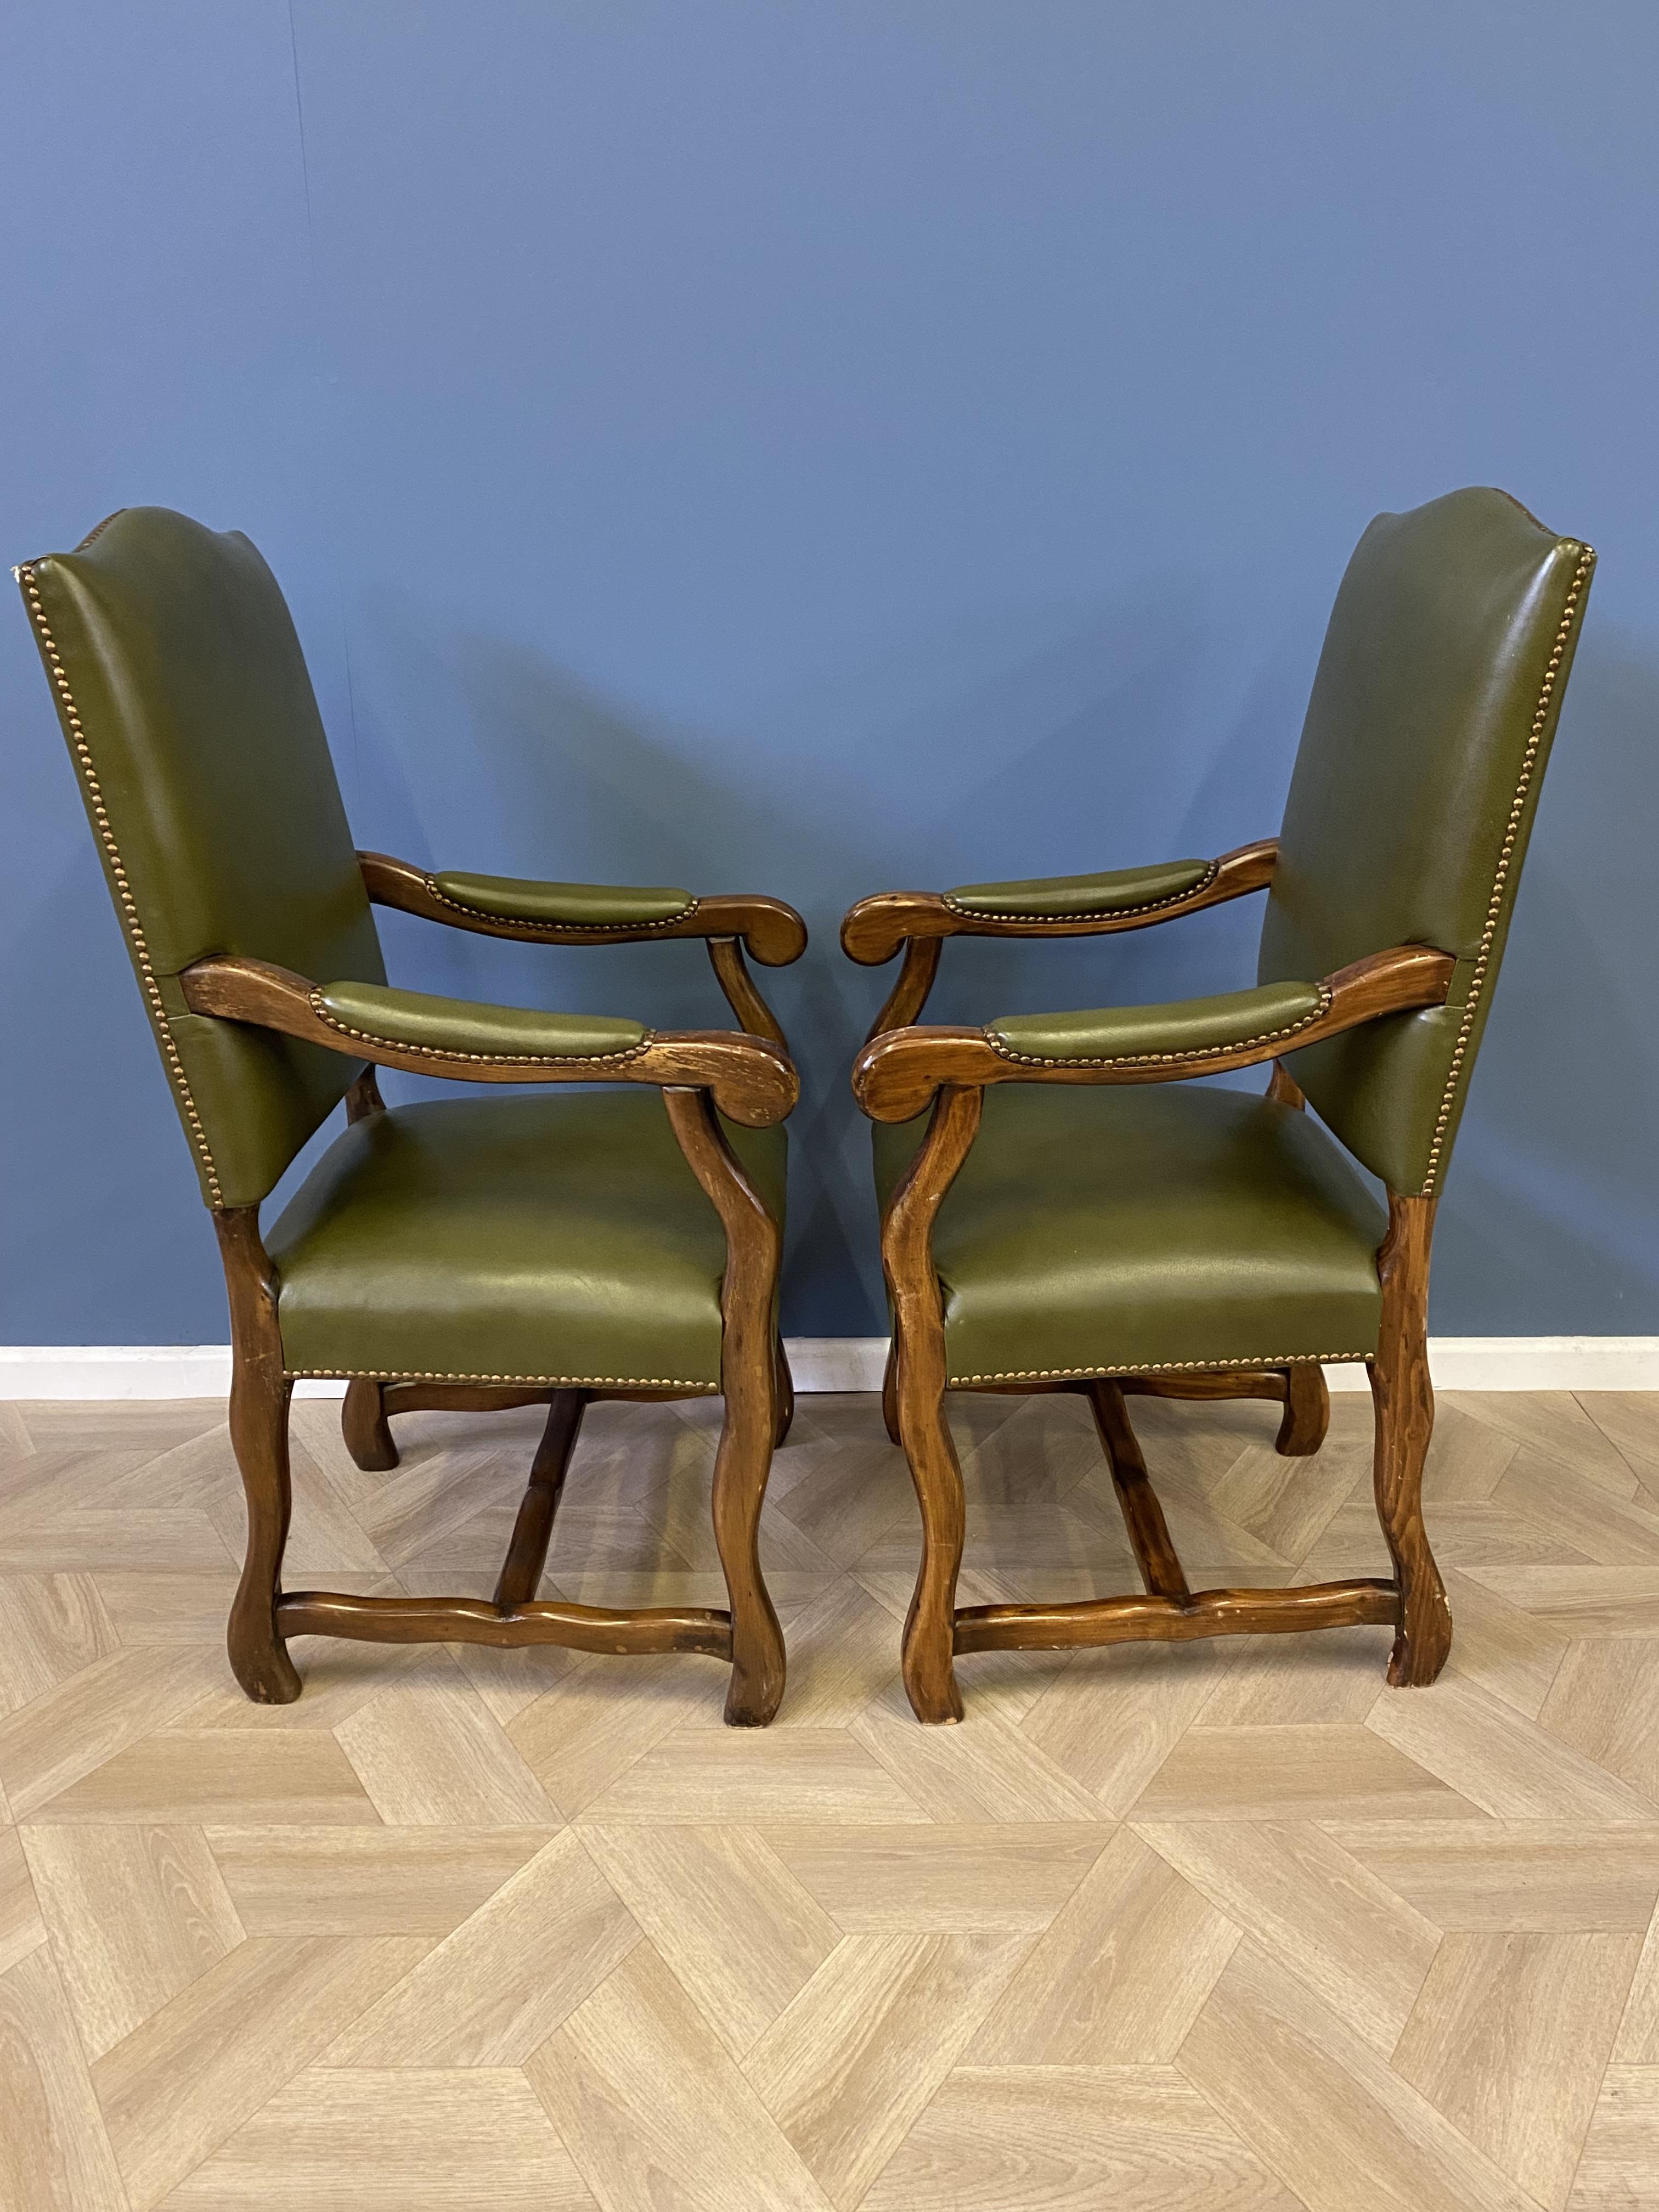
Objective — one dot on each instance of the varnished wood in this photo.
(919, 1390)
(526, 1553)
(1207, 1383)
(259, 1396)
(363, 1099)
(363, 1426)
(909, 995)
(1307, 1411)
(1404, 1400)
(1284, 1089)
(751, 1077)
(785, 1386)
(890, 1391)
(774, 933)
(874, 929)
(1160, 1567)
(749, 1382)
(755, 1016)
(1173, 1621)
(896, 1074)
(635, 1633)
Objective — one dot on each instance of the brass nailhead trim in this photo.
(1483, 958)
(533, 1382)
(129, 911)
(492, 1059)
(1169, 1367)
(1159, 1059)
(527, 921)
(1089, 913)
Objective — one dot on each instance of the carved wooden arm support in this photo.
(751, 1080)
(601, 914)
(1053, 906)
(898, 1072)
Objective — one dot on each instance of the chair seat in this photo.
(554, 1238)
(1107, 1229)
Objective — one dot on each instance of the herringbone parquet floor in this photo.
(1226, 1927)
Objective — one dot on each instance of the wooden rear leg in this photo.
(890, 1391)
(1404, 1402)
(1307, 1411)
(364, 1427)
(784, 1383)
(259, 1396)
(929, 1646)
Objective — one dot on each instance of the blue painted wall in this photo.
(817, 447)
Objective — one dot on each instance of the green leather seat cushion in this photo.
(558, 1237)
(1099, 1230)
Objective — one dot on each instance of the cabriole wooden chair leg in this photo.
(1307, 1412)
(889, 1390)
(1404, 1402)
(364, 1427)
(929, 1646)
(258, 1435)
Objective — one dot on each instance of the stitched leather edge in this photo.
(533, 1382)
(1511, 830)
(490, 1059)
(527, 921)
(1158, 1058)
(1089, 913)
(124, 903)
(1167, 1367)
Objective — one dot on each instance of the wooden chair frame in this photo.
(904, 1067)
(703, 1074)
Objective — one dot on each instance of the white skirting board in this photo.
(832, 1363)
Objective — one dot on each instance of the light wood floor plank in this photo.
(1111, 1720)
(852, 2063)
(1074, 2139)
(985, 1769)
(943, 1879)
(1509, 2041)
(655, 2112)
(137, 1912)
(51, 1627)
(1604, 1702)
(1324, 2109)
(74, 1729)
(1488, 1878)
(1619, 2171)
(22, 1927)
(725, 1914)
(592, 1724)
(202, 1775)
(55, 2155)
(176, 2087)
(1501, 1762)
(1119, 1976)
(701, 1775)
(433, 1755)
(364, 1881)
(1295, 1773)
(1304, 1898)
(501, 1982)
(416, 2140)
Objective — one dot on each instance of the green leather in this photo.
(1168, 1032)
(1426, 735)
(1098, 1230)
(207, 778)
(572, 906)
(1059, 898)
(548, 1237)
(420, 1022)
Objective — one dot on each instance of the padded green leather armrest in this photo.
(1272, 1013)
(417, 1021)
(1076, 898)
(565, 906)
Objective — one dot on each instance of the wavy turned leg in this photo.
(1405, 1421)
(749, 1377)
(364, 1427)
(919, 1380)
(1307, 1412)
(258, 1435)
(889, 1414)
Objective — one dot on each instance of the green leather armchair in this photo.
(1060, 1211)
(552, 1246)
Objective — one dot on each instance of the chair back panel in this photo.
(1413, 798)
(194, 731)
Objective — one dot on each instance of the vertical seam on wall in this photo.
(1500, 881)
(124, 902)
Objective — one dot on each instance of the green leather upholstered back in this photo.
(1432, 712)
(184, 695)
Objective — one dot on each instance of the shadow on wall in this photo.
(1553, 1181)
(1065, 745)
